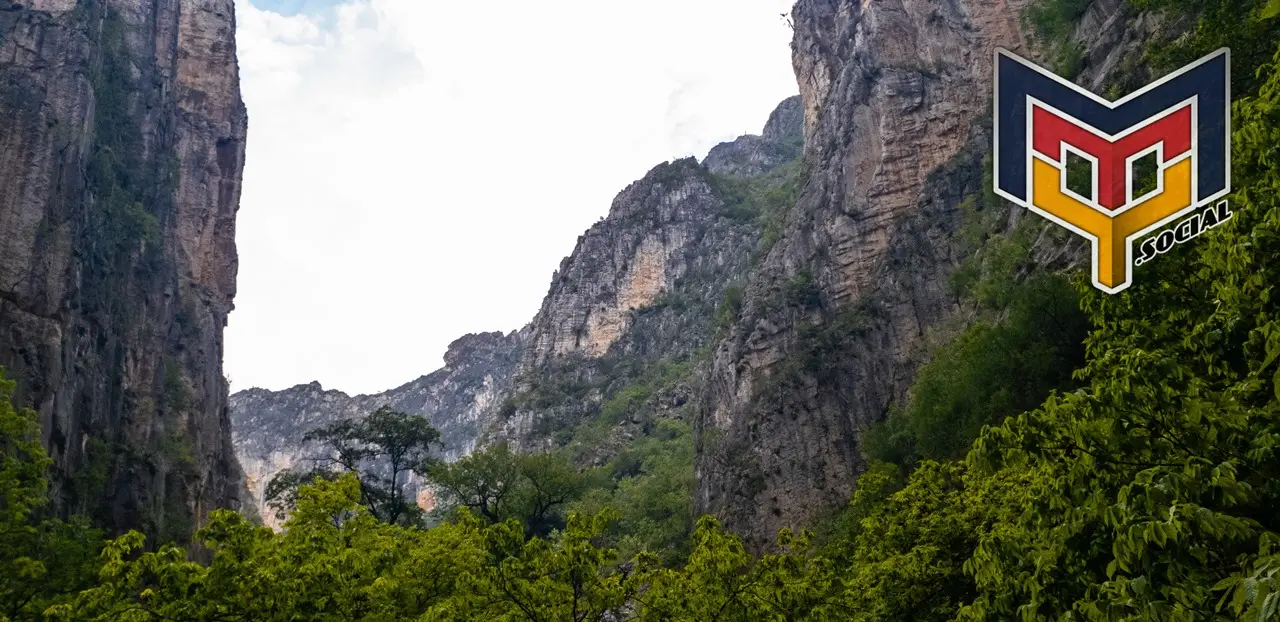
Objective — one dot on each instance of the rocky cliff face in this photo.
(636, 302)
(896, 99)
(751, 155)
(642, 287)
(458, 399)
(120, 159)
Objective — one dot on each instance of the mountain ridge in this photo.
(613, 291)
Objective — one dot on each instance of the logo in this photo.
(1042, 120)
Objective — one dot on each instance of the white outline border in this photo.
(1131, 175)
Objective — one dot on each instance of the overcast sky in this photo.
(417, 169)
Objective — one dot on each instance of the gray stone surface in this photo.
(457, 399)
(896, 104)
(115, 337)
(750, 155)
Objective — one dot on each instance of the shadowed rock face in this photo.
(120, 154)
(895, 98)
(891, 92)
(458, 400)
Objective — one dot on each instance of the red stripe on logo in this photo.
(1049, 131)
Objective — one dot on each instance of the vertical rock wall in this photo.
(896, 98)
(121, 152)
(893, 94)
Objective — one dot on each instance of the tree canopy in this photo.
(380, 450)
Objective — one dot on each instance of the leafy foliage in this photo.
(380, 449)
(989, 372)
(1248, 27)
(42, 560)
(650, 484)
(500, 485)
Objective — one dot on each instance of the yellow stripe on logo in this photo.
(1111, 251)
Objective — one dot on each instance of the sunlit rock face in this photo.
(641, 287)
(121, 154)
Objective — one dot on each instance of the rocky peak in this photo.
(657, 231)
(475, 346)
(786, 123)
(642, 286)
(781, 141)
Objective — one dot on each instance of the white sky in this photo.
(417, 169)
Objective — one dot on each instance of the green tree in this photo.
(566, 578)
(485, 482)
(906, 558)
(42, 559)
(721, 581)
(380, 450)
(1158, 498)
(499, 485)
(650, 483)
(550, 483)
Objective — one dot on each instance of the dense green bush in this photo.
(43, 561)
(650, 484)
(989, 372)
(764, 200)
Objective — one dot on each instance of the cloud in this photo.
(417, 169)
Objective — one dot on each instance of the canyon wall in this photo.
(896, 97)
(121, 154)
(781, 295)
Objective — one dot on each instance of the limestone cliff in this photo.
(643, 286)
(636, 301)
(458, 400)
(896, 98)
(121, 153)
(752, 155)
